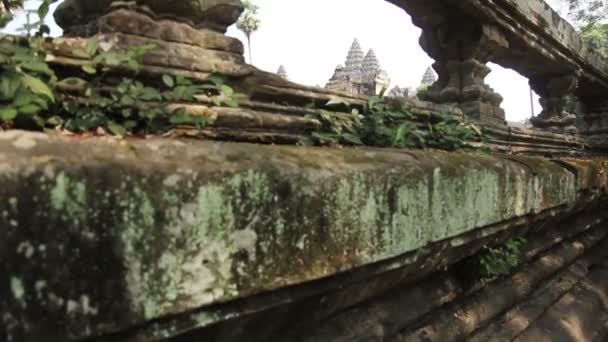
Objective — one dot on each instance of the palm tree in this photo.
(249, 23)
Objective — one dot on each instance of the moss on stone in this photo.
(122, 242)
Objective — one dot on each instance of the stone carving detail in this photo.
(212, 14)
(593, 123)
(553, 91)
(189, 34)
(461, 49)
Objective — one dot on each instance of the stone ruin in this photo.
(360, 75)
(222, 239)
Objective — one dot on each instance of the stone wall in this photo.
(462, 37)
(111, 239)
(102, 235)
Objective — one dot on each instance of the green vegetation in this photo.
(388, 124)
(26, 81)
(501, 260)
(31, 96)
(597, 36)
(587, 12)
(589, 17)
(105, 97)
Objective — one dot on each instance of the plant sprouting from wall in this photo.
(501, 260)
(31, 97)
(125, 105)
(381, 122)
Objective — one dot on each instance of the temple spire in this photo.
(354, 60)
(429, 77)
(370, 63)
(282, 72)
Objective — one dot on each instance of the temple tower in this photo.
(282, 72)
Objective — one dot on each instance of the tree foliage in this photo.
(587, 12)
(589, 17)
(249, 23)
(597, 36)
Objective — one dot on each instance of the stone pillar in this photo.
(554, 91)
(461, 48)
(189, 34)
(593, 123)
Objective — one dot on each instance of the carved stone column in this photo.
(189, 34)
(461, 49)
(554, 91)
(593, 123)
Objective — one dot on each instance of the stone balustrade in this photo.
(107, 239)
(526, 36)
(462, 36)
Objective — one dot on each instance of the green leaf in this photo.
(149, 94)
(116, 129)
(325, 138)
(130, 124)
(80, 53)
(29, 109)
(55, 121)
(169, 81)
(91, 47)
(217, 79)
(232, 103)
(37, 66)
(89, 69)
(217, 100)
(353, 139)
(39, 121)
(73, 81)
(43, 29)
(9, 84)
(226, 90)
(181, 80)
(37, 86)
(8, 113)
(23, 97)
(337, 101)
(43, 10)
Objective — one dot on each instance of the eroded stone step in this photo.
(578, 315)
(458, 320)
(513, 322)
(388, 313)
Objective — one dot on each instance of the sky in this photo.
(310, 38)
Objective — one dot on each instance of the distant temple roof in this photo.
(429, 76)
(399, 92)
(282, 72)
(370, 63)
(361, 74)
(354, 59)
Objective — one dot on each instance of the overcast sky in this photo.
(311, 37)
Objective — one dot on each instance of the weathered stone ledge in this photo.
(99, 235)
